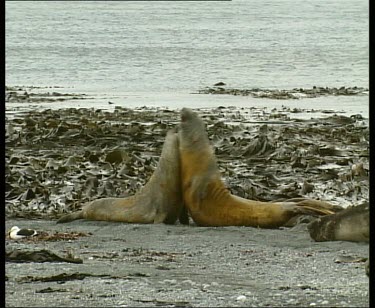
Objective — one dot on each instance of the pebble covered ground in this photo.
(130, 265)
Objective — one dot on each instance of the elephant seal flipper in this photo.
(70, 217)
(159, 200)
(208, 200)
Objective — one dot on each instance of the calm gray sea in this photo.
(162, 46)
(179, 47)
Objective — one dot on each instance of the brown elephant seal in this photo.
(208, 200)
(160, 200)
(351, 224)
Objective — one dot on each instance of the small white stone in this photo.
(170, 281)
(312, 304)
(325, 302)
(188, 281)
(241, 298)
(205, 286)
(343, 303)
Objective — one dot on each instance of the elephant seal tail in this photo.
(317, 207)
(70, 217)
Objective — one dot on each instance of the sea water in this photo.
(159, 52)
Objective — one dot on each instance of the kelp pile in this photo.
(29, 95)
(56, 160)
(295, 93)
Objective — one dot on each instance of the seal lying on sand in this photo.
(351, 224)
(160, 200)
(208, 200)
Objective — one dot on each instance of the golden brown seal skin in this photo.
(208, 200)
(351, 224)
(160, 200)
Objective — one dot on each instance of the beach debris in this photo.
(350, 259)
(296, 93)
(21, 94)
(38, 256)
(75, 276)
(51, 290)
(57, 160)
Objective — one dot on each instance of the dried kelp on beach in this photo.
(296, 93)
(56, 160)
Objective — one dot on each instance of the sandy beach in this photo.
(182, 266)
(126, 265)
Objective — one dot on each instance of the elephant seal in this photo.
(208, 200)
(160, 200)
(351, 224)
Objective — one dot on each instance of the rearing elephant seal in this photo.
(160, 200)
(208, 200)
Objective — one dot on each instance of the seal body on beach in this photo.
(351, 224)
(160, 200)
(208, 200)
